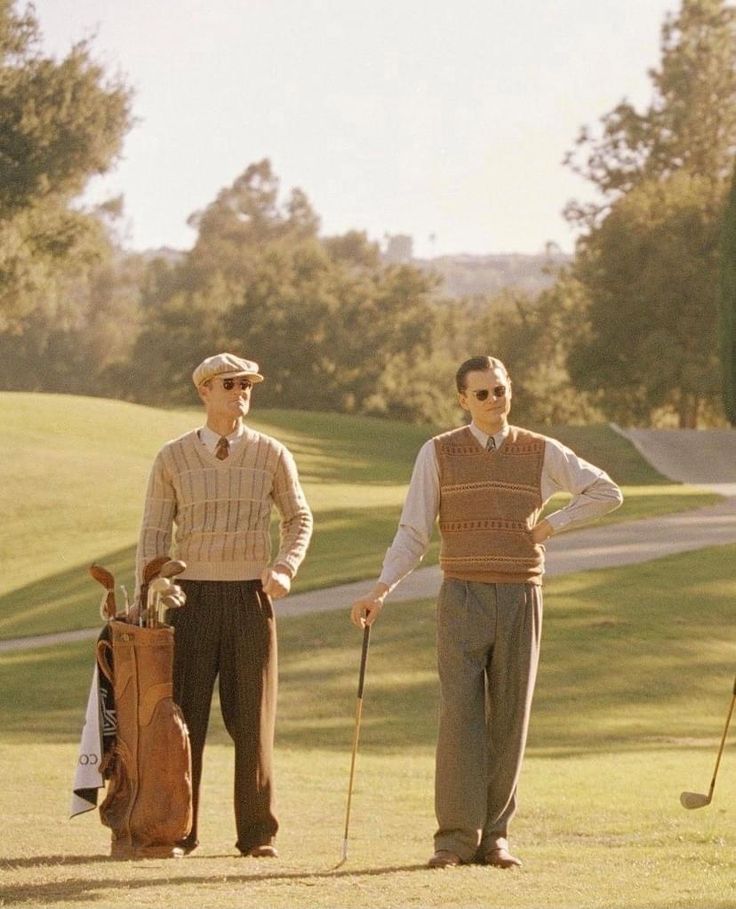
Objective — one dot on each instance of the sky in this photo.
(447, 121)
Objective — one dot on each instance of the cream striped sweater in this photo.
(222, 509)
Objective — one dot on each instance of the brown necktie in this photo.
(491, 444)
(223, 449)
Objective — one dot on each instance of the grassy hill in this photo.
(74, 474)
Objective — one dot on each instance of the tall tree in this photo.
(727, 305)
(690, 123)
(61, 122)
(650, 270)
(647, 257)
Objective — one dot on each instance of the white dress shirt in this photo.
(209, 438)
(593, 494)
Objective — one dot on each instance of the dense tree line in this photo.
(628, 331)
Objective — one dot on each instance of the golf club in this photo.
(106, 578)
(156, 588)
(356, 735)
(171, 568)
(697, 799)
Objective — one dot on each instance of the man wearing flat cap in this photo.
(209, 501)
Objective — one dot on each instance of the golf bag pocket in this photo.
(114, 808)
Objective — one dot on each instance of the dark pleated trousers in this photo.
(227, 630)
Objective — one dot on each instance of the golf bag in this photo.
(148, 803)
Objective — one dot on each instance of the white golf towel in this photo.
(87, 776)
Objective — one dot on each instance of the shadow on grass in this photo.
(69, 600)
(85, 888)
(66, 601)
(633, 659)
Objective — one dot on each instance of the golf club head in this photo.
(694, 800)
(152, 568)
(171, 568)
(159, 585)
(172, 601)
(102, 576)
(344, 856)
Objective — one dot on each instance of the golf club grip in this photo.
(363, 659)
(734, 687)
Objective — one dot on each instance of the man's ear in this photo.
(461, 400)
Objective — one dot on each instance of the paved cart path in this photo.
(705, 458)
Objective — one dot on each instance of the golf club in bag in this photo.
(697, 799)
(147, 766)
(356, 736)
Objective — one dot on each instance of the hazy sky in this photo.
(426, 117)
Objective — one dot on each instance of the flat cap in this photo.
(225, 365)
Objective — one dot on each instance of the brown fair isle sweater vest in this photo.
(489, 502)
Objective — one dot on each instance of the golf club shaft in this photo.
(723, 743)
(356, 734)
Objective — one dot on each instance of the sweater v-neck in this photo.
(491, 451)
(236, 455)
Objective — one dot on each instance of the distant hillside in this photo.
(473, 276)
(463, 275)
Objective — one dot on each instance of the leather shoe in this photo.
(265, 851)
(502, 858)
(443, 858)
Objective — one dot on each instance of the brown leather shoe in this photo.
(267, 851)
(502, 858)
(443, 858)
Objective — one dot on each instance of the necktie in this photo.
(491, 444)
(223, 449)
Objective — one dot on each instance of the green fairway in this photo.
(635, 681)
(75, 472)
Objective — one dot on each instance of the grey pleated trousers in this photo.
(488, 638)
(227, 629)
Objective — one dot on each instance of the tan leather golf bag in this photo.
(148, 804)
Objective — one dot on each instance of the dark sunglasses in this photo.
(499, 391)
(229, 384)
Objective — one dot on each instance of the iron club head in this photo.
(172, 568)
(694, 800)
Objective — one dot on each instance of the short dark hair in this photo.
(477, 364)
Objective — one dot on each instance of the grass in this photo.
(75, 472)
(635, 681)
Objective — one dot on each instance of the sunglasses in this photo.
(229, 384)
(499, 391)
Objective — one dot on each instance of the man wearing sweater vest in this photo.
(487, 483)
(216, 486)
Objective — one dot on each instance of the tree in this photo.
(649, 272)
(690, 123)
(647, 258)
(326, 318)
(60, 123)
(243, 219)
(727, 305)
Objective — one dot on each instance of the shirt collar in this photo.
(209, 438)
(482, 437)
